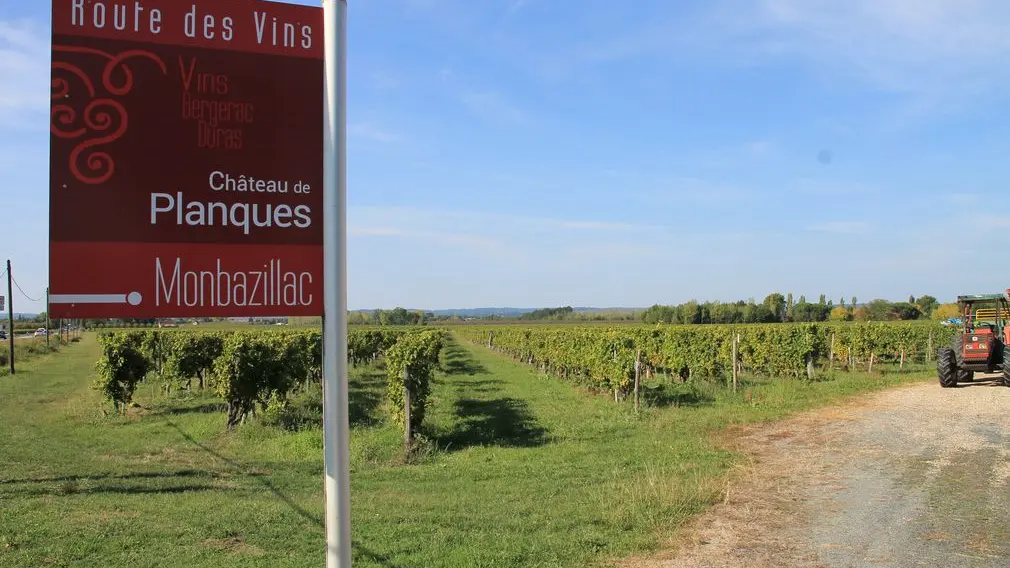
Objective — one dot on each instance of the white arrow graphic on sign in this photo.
(133, 298)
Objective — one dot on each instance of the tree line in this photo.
(775, 308)
(395, 316)
(779, 308)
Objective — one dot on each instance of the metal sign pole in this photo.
(336, 425)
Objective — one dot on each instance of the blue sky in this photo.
(556, 152)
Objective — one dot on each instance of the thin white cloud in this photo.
(443, 237)
(941, 54)
(371, 132)
(494, 107)
(988, 221)
(824, 187)
(376, 231)
(659, 190)
(587, 225)
(487, 221)
(589, 253)
(24, 67)
(968, 198)
(739, 156)
(760, 147)
(929, 47)
(394, 231)
(842, 227)
(517, 5)
(384, 80)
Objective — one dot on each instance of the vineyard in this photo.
(605, 357)
(216, 455)
(261, 369)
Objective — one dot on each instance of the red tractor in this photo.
(980, 345)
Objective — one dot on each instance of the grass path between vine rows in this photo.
(524, 470)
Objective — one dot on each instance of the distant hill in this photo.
(18, 315)
(481, 312)
(503, 312)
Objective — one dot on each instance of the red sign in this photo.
(186, 159)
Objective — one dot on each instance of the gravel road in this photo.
(911, 477)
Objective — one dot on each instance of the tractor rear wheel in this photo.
(963, 375)
(1006, 373)
(946, 367)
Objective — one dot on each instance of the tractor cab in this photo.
(984, 317)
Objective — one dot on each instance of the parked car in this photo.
(3, 334)
(41, 332)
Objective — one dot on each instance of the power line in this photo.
(30, 299)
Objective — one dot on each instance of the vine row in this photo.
(260, 369)
(604, 357)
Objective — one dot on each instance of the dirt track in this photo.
(910, 477)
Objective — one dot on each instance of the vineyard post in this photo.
(10, 314)
(48, 323)
(407, 434)
(336, 424)
(638, 375)
(736, 341)
(901, 365)
(831, 353)
(929, 346)
(870, 370)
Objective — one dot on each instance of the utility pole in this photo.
(10, 313)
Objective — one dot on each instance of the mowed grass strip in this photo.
(26, 349)
(518, 469)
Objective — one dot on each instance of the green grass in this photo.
(25, 350)
(519, 470)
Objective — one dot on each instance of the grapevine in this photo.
(410, 363)
(254, 370)
(122, 365)
(603, 357)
